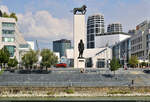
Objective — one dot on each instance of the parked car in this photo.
(61, 65)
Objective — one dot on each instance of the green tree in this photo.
(13, 15)
(114, 65)
(12, 62)
(5, 15)
(30, 58)
(4, 56)
(48, 58)
(133, 61)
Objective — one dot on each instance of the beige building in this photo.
(140, 41)
(11, 38)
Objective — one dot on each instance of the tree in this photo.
(114, 65)
(48, 58)
(13, 15)
(4, 56)
(30, 58)
(5, 15)
(133, 61)
(12, 62)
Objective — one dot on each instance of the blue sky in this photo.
(48, 20)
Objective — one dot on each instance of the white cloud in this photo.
(44, 27)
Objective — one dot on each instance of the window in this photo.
(8, 39)
(92, 45)
(8, 31)
(11, 50)
(92, 37)
(97, 30)
(7, 24)
(23, 45)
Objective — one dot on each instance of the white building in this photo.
(109, 39)
(31, 44)
(11, 38)
(98, 56)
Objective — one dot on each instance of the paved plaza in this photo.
(73, 77)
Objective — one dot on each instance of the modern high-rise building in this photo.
(61, 46)
(114, 27)
(95, 26)
(11, 38)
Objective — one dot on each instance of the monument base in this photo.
(81, 63)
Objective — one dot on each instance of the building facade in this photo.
(132, 31)
(61, 46)
(110, 39)
(11, 38)
(122, 51)
(95, 58)
(95, 26)
(140, 41)
(114, 27)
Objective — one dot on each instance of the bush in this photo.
(30, 92)
(50, 93)
(69, 91)
(119, 92)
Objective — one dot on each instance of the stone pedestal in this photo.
(81, 63)
(78, 34)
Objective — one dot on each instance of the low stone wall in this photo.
(73, 91)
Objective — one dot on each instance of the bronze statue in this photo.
(81, 49)
(82, 9)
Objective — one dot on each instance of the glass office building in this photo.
(61, 46)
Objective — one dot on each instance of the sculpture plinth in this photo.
(79, 34)
(81, 63)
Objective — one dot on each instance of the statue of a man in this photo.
(81, 49)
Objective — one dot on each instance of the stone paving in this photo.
(73, 77)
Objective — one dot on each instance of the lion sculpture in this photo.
(82, 10)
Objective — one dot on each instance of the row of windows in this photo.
(137, 47)
(93, 17)
(90, 37)
(139, 39)
(96, 30)
(7, 24)
(23, 46)
(96, 25)
(139, 54)
(8, 39)
(93, 20)
(90, 45)
(8, 31)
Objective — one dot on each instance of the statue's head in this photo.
(81, 41)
